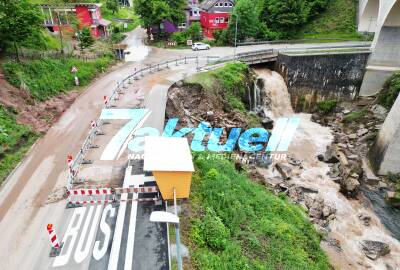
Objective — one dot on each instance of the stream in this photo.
(271, 96)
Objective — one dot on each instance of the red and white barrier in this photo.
(105, 100)
(136, 190)
(89, 202)
(90, 192)
(53, 236)
(70, 160)
(93, 124)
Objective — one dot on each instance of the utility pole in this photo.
(236, 28)
(178, 238)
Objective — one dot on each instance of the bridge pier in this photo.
(384, 155)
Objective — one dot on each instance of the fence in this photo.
(87, 144)
(292, 41)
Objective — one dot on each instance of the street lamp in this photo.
(166, 217)
(236, 28)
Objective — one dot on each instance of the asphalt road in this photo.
(32, 195)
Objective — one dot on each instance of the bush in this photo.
(15, 140)
(353, 116)
(48, 77)
(250, 227)
(390, 91)
(179, 38)
(326, 106)
(214, 231)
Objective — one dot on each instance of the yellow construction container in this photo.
(170, 161)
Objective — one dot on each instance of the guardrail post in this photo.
(158, 67)
(167, 64)
(176, 62)
(185, 60)
(150, 71)
(197, 62)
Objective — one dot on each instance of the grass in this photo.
(337, 21)
(15, 141)
(326, 106)
(48, 77)
(390, 91)
(228, 82)
(354, 116)
(122, 13)
(238, 224)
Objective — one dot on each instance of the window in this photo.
(216, 20)
(221, 20)
(216, 5)
(221, 4)
(230, 4)
(226, 4)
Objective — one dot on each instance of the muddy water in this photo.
(310, 140)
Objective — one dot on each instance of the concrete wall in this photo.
(311, 78)
(385, 58)
(385, 153)
(368, 15)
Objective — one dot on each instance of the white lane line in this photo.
(114, 255)
(131, 235)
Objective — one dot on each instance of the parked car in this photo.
(200, 46)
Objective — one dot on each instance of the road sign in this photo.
(74, 69)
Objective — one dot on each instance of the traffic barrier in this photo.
(55, 244)
(90, 192)
(79, 203)
(136, 190)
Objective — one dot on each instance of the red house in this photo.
(87, 14)
(215, 15)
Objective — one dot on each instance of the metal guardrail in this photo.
(291, 41)
(79, 159)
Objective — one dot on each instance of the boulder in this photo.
(349, 185)
(379, 111)
(284, 170)
(267, 123)
(366, 219)
(374, 249)
(362, 132)
(393, 198)
(329, 156)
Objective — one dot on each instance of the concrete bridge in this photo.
(381, 17)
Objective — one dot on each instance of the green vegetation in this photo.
(85, 38)
(237, 224)
(354, 116)
(121, 13)
(15, 141)
(390, 91)
(193, 33)
(337, 21)
(152, 12)
(48, 77)
(20, 22)
(326, 106)
(228, 83)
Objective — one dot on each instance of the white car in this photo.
(200, 46)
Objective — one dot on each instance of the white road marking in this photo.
(80, 255)
(131, 234)
(105, 228)
(72, 232)
(114, 255)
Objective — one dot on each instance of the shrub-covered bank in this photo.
(48, 77)
(236, 224)
(15, 141)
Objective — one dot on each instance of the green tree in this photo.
(85, 37)
(112, 5)
(285, 15)
(19, 20)
(247, 17)
(153, 12)
(194, 32)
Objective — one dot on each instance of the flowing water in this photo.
(310, 140)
